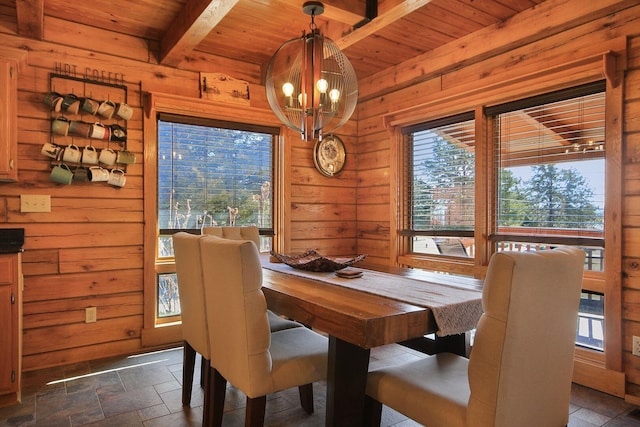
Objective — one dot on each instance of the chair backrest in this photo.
(186, 248)
(246, 232)
(237, 313)
(521, 364)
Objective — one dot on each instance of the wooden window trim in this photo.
(157, 333)
(611, 64)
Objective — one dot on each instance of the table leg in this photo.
(346, 382)
(459, 344)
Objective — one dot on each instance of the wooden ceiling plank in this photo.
(523, 28)
(30, 14)
(191, 26)
(390, 13)
(346, 11)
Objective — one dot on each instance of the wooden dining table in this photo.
(357, 319)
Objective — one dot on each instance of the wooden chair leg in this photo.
(372, 412)
(215, 399)
(254, 416)
(207, 419)
(188, 366)
(306, 397)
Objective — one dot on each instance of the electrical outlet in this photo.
(90, 314)
(636, 346)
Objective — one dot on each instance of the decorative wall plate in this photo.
(329, 155)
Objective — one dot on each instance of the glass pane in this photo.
(211, 176)
(168, 297)
(265, 244)
(165, 247)
(594, 260)
(590, 331)
(443, 176)
(439, 245)
(552, 168)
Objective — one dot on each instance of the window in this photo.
(209, 174)
(550, 163)
(550, 157)
(441, 173)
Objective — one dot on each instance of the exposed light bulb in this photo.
(287, 88)
(334, 94)
(322, 85)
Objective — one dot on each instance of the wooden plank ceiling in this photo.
(374, 36)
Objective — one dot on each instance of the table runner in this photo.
(456, 310)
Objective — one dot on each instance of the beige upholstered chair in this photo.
(251, 232)
(520, 369)
(243, 350)
(194, 322)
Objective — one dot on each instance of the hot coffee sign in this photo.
(89, 73)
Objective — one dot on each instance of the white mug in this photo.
(124, 111)
(72, 154)
(108, 157)
(99, 131)
(90, 155)
(98, 174)
(51, 150)
(117, 178)
(106, 109)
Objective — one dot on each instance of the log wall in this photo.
(88, 251)
(510, 61)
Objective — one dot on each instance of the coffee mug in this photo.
(72, 154)
(81, 175)
(108, 157)
(117, 178)
(90, 155)
(98, 174)
(60, 126)
(78, 128)
(118, 133)
(71, 103)
(106, 109)
(126, 157)
(90, 105)
(61, 174)
(124, 111)
(54, 101)
(51, 150)
(99, 131)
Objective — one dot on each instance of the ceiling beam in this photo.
(388, 12)
(191, 26)
(30, 15)
(561, 132)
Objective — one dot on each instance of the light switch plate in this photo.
(35, 203)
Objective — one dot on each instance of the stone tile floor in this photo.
(145, 390)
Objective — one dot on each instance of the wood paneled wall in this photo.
(489, 75)
(89, 250)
